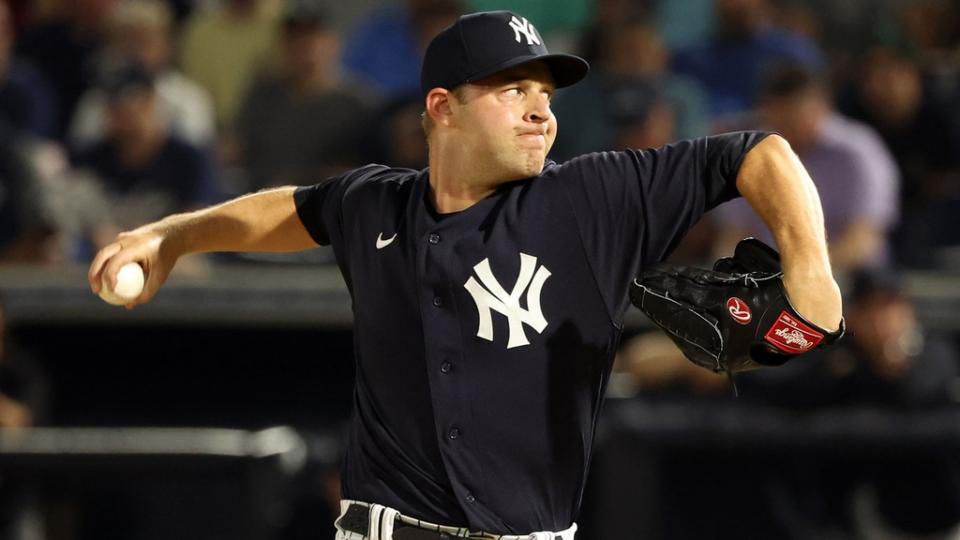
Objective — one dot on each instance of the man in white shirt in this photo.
(140, 30)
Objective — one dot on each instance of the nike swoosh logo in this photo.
(384, 242)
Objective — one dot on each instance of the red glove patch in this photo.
(791, 335)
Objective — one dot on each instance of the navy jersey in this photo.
(484, 338)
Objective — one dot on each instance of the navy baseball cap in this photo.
(479, 45)
(122, 79)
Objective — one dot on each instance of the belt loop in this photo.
(388, 518)
(373, 532)
(344, 504)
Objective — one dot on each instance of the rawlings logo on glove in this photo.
(739, 310)
(732, 318)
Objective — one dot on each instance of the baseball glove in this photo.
(733, 318)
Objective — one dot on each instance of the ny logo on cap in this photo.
(491, 296)
(522, 26)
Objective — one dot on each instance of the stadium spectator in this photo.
(304, 120)
(63, 48)
(396, 135)
(680, 24)
(146, 170)
(222, 47)
(855, 174)
(385, 49)
(608, 14)
(27, 103)
(642, 116)
(932, 29)
(630, 100)
(27, 232)
(731, 63)
(891, 94)
(141, 30)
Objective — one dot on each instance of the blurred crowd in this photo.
(116, 112)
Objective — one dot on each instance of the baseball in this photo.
(129, 285)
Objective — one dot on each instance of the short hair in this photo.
(305, 16)
(121, 79)
(426, 122)
(150, 13)
(866, 282)
(791, 80)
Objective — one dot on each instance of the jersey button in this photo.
(454, 433)
(434, 238)
(446, 367)
(470, 498)
(437, 301)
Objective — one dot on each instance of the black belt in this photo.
(357, 519)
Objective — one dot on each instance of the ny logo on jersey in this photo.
(492, 296)
(521, 26)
